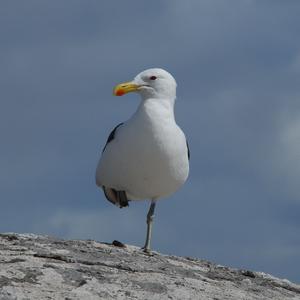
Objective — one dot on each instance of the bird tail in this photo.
(118, 198)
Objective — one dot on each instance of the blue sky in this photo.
(237, 65)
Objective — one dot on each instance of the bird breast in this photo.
(148, 158)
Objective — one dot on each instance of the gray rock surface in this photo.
(41, 267)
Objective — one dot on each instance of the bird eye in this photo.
(152, 77)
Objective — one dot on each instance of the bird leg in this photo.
(150, 217)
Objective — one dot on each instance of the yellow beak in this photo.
(124, 88)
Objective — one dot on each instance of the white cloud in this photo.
(280, 168)
(127, 225)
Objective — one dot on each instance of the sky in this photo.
(237, 66)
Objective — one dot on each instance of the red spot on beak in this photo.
(120, 92)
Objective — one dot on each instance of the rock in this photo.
(41, 267)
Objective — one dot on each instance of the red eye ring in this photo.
(152, 77)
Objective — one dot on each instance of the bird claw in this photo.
(147, 251)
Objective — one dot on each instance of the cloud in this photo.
(283, 163)
(97, 224)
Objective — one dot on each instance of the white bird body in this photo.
(148, 156)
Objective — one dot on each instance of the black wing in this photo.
(188, 149)
(118, 198)
(111, 136)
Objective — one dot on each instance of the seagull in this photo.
(146, 157)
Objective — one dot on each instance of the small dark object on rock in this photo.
(118, 244)
(248, 273)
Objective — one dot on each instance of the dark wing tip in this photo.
(118, 198)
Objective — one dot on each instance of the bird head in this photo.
(151, 83)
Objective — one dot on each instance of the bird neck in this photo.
(157, 107)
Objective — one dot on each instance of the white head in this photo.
(151, 83)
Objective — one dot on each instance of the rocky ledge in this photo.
(41, 267)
